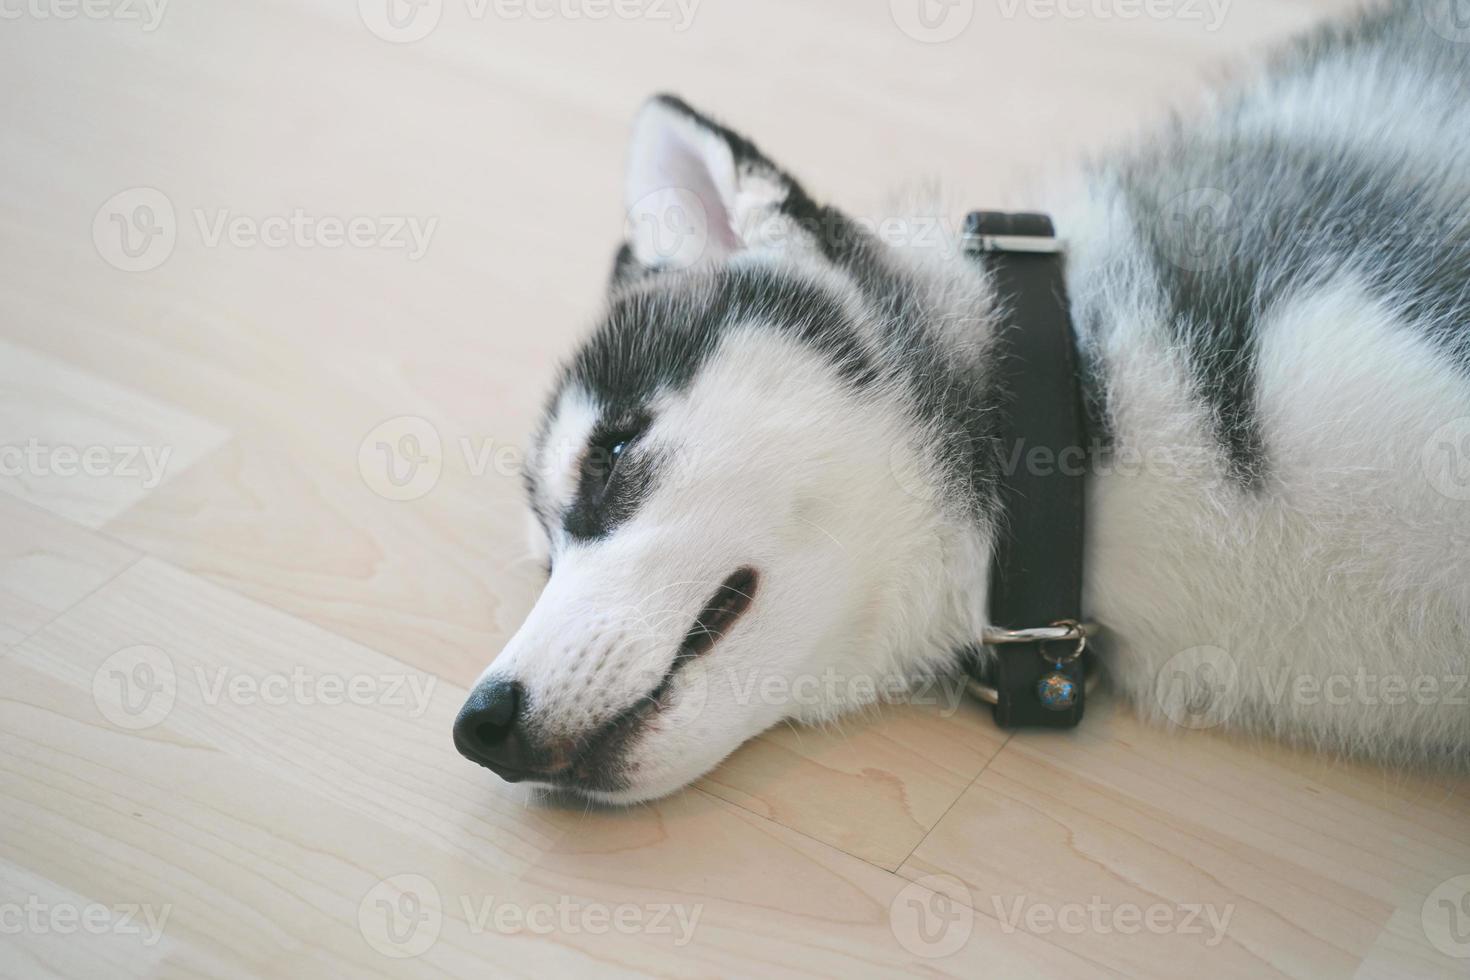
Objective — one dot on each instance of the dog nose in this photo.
(487, 730)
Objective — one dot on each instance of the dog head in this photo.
(748, 483)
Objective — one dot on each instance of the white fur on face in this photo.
(557, 462)
(770, 462)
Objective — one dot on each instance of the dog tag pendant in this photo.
(1056, 691)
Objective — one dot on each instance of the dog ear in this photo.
(697, 192)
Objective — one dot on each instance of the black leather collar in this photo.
(1038, 673)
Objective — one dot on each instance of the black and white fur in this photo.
(1272, 298)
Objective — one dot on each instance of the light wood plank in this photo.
(777, 903)
(301, 530)
(355, 727)
(901, 768)
(1309, 859)
(84, 447)
(257, 874)
(46, 565)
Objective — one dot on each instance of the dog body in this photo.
(767, 484)
(1275, 299)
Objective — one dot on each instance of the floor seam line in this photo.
(28, 637)
(958, 797)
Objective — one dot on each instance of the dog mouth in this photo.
(731, 600)
(601, 767)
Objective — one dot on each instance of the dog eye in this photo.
(608, 450)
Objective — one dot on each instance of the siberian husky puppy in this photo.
(766, 483)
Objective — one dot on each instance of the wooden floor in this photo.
(229, 671)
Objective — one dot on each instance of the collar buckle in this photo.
(1001, 231)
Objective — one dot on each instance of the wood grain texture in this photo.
(47, 565)
(156, 751)
(901, 768)
(1317, 865)
(84, 447)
